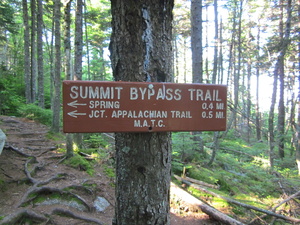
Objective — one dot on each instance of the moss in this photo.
(2, 185)
(80, 163)
(110, 172)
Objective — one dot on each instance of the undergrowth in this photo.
(98, 151)
(80, 163)
(34, 112)
(240, 169)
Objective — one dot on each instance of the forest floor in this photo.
(35, 184)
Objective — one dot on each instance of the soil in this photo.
(31, 167)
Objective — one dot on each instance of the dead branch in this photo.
(212, 212)
(21, 214)
(286, 200)
(75, 216)
(291, 219)
(238, 152)
(201, 183)
(86, 156)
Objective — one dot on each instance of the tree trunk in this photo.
(231, 71)
(281, 111)
(67, 48)
(141, 50)
(57, 68)
(297, 125)
(216, 43)
(78, 41)
(257, 109)
(284, 45)
(237, 73)
(33, 52)
(279, 73)
(67, 39)
(26, 53)
(78, 137)
(271, 119)
(196, 41)
(248, 101)
(40, 58)
(197, 56)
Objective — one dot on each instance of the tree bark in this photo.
(78, 137)
(67, 39)
(216, 43)
(141, 50)
(297, 125)
(67, 50)
(279, 73)
(78, 41)
(197, 56)
(40, 58)
(285, 40)
(57, 68)
(26, 53)
(257, 106)
(33, 52)
(196, 41)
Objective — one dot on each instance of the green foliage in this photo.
(80, 163)
(55, 136)
(183, 146)
(36, 113)
(98, 17)
(10, 93)
(95, 141)
(7, 18)
(109, 171)
(203, 174)
(242, 172)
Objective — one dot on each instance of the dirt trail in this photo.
(33, 182)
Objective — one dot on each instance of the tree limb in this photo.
(201, 183)
(287, 218)
(286, 200)
(212, 212)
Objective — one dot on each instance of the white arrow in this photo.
(75, 114)
(75, 104)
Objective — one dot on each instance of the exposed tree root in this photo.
(54, 177)
(52, 202)
(71, 214)
(79, 187)
(27, 172)
(35, 192)
(9, 147)
(48, 150)
(18, 216)
(22, 214)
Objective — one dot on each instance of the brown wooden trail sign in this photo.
(97, 106)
